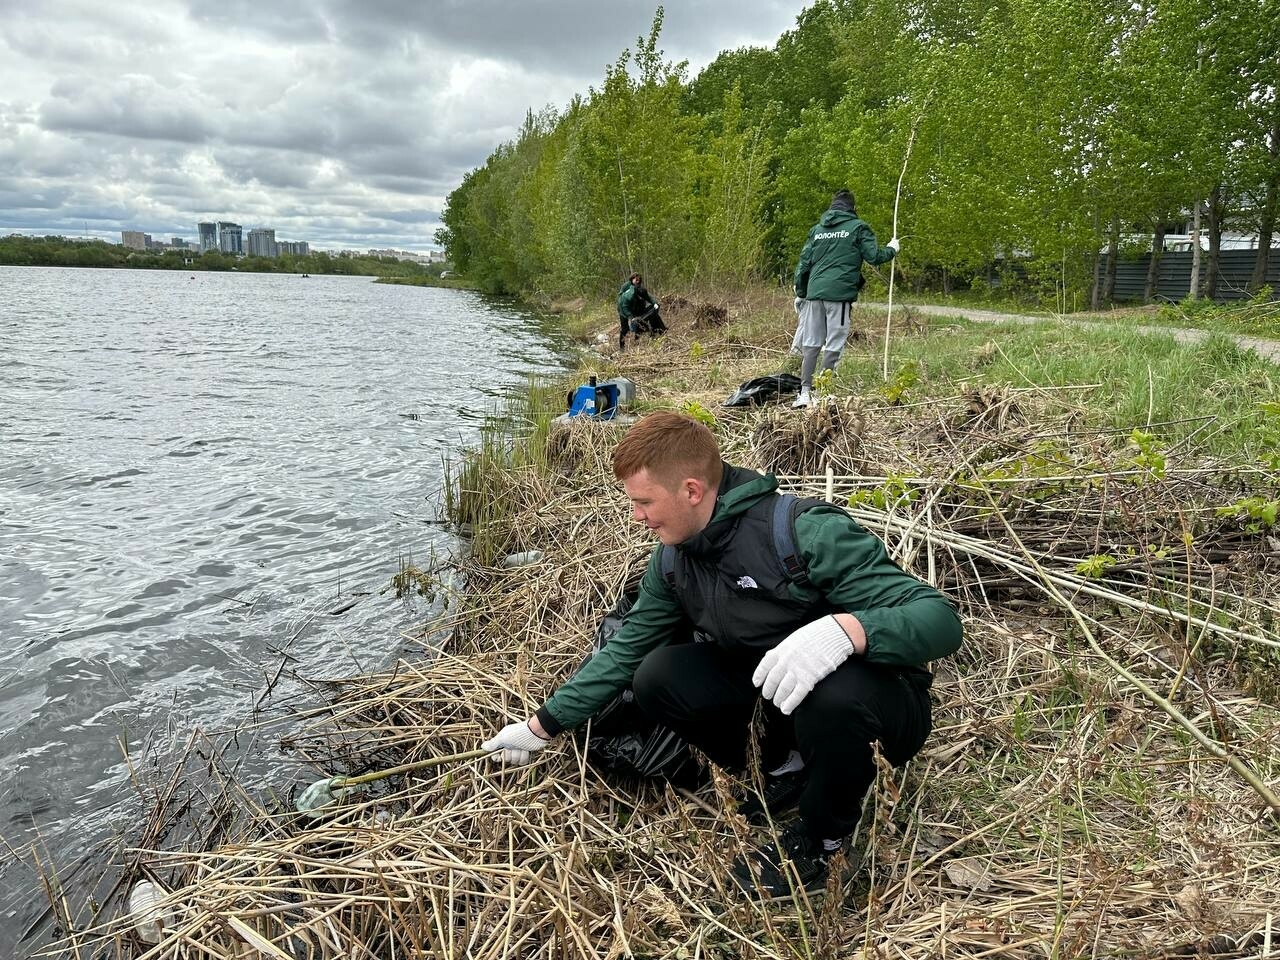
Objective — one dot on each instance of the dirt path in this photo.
(1267, 349)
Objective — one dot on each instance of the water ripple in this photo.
(192, 476)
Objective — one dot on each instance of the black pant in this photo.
(704, 692)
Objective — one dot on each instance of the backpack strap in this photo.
(668, 563)
(786, 507)
(785, 511)
(784, 538)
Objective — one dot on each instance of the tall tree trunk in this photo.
(1194, 292)
(1215, 243)
(1153, 268)
(1095, 295)
(1268, 226)
(1113, 254)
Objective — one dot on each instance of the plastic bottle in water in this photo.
(147, 910)
(522, 559)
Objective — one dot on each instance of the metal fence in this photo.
(1235, 268)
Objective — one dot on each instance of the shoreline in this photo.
(1052, 807)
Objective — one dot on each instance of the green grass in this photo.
(1259, 317)
(582, 325)
(1209, 395)
(1024, 303)
(1207, 398)
(477, 487)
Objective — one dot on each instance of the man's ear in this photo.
(694, 489)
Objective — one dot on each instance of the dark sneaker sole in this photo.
(812, 890)
(753, 808)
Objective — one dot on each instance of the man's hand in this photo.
(515, 744)
(799, 303)
(893, 245)
(791, 669)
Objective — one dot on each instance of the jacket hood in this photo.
(835, 216)
(739, 489)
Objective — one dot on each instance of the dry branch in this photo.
(1054, 812)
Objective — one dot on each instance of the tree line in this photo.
(55, 251)
(1051, 138)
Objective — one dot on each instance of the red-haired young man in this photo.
(838, 658)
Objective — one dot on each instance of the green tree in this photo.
(731, 187)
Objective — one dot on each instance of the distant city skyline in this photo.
(260, 242)
(224, 236)
(344, 124)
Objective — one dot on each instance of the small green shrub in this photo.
(1150, 456)
(700, 413)
(1095, 566)
(908, 376)
(1257, 513)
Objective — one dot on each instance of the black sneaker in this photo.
(781, 793)
(777, 870)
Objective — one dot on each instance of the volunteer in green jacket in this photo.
(839, 661)
(828, 278)
(637, 312)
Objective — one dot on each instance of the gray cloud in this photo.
(17, 199)
(335, 122)
(133, 107)
(274, 169)
(294, 23)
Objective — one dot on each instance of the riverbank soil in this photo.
(1101, 776)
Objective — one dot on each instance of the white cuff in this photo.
(829, 640)
(515, 736)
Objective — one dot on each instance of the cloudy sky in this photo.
(342, 123)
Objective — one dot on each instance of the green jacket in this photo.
(830, 266)
(908, 623)
(633, 301)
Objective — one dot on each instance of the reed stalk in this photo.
(1070, 801)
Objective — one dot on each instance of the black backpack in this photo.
(623, 740)
(783, 527)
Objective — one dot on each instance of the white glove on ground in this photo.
(791, 669)
(515, 744)
(893, 244)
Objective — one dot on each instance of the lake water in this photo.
(198, 473)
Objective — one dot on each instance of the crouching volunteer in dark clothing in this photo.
(837, 655)
(637, 312)
(828, 278)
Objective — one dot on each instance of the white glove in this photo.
(791, 669)
(893, 244)
(799, 303)
(515, 744)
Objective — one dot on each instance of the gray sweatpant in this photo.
(823, 327)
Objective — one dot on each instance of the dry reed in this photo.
(1056, 810)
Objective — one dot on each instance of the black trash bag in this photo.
(767, 389)
(649, 322)
(622, 740)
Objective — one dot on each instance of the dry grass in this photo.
(1056, 811)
